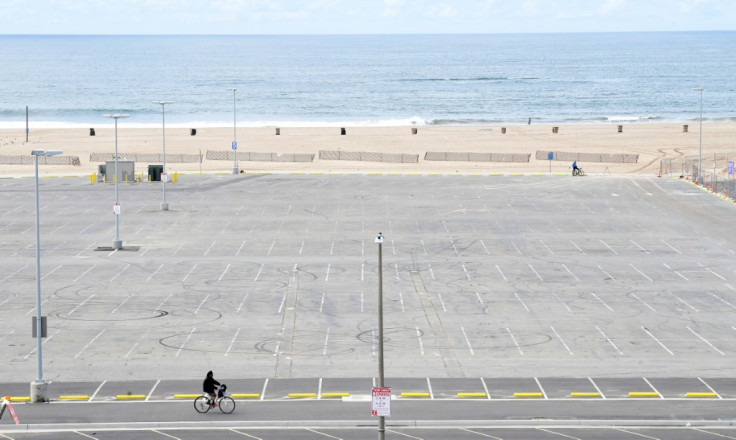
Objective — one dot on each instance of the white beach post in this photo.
(164, 204)
(235, 140)
(700, 142)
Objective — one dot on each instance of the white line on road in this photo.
(54, 270)
(501, 272)
(89, 343)
(561, 340)
(242, 245)
(150, 393)
(224, 272)
(721, 300)
(547, 247)
(185, 341)
(563, 302)
(705, 340)
(577, 247)
(467, 275)
(210, 248)
(709, 270)
(535, 272)
(97, 391)
(134, 346)
(154, 272)
(120, 305)
(609, 247)
(568, 271)
(442, 302)
(522, 302)
(232, 342)
(677, 272)
(658, 341)
(470, 347)
(639, 246)
(643, 302)
(82, 303)
(7, 277)
(120, 273)
(419, 338)
(484, 247)
(642, 273)
(607, 274)
(518, 347)
(670, 246)
(601, 301)
(609, 341)
(327, 274)
(190, 272)
(202, 303)
(683, 301)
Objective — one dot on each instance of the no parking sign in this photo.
(381, 398)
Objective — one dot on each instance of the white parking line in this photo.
(484, 247)
(190, 272)
(609, 247)
(242, 245)
(705, 340)
(536, 273)
(643, 302)
(467, 275)
(232, 342)
(470, 347)
(501, 272)
(120, 305)
(609, 341)
(401, 301)
(607, 274)
(89, 343)
(709, 270)
(419, 338)
(480, 300)
(178, 352)
(271, 248)
(134, 346)
(577, 247)
(563, 302)
(652, 387)
(568, 271)
(54, 270)
(547, 247)
(81, 304)
(601, 301)
(150, 393)
(603, 396)
(327, 273)
(423, 247)
(561, 340)
(721, 300)
(544, 393)
(518, 347)
(17, 271)
(710, 388)
(202, 303)
(431, 272)
(154, 272)
(92, 397)
(642, 273)
(658, 341)
(670, 246)
(210, 248)
(442, 302)
(639, 246)
(683, 301)
(522, 302)
(677, 272)
(120, 273)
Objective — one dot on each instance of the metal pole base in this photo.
(117, 244)
(38, 391)
(164, 206)
(235, 170)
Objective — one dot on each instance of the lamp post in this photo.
(38, 386)
(117, 243)
(700, 149)
(381, 419)
(235, 140)
(164, 204)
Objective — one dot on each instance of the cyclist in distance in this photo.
(209, 386)
(574, 166)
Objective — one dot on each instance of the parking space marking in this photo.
(43, 343)
(544, 393)
(52, 271)
(242, 245)
(154, 272)
(522, 302)
(442, 302)
(96, 391)
(657, 341)
(547, 247)
(639, 246)
(224, 272)
(431, 272)
(419, 338)
(232, 342)
(705, 340)
(558, 433)
(601, 301)
(711, 271)
(561, 340)
(327, 339)
(609, 247)
(120, 273)
(169, 435)
(683, 301)
(609, 341)
(209, 248)
(568, 271)
(642, 273)
(536, 273)
(178, 352)
(562, 302)
(81, 304)
(135, 345)
(607, 274)
(482, 243)
(270, 249)
(501, 272)
(652, 387)
(577, 247)
(508, 330)
(467, 275)
(14, 273)
(467, 340)
(89, 343)
(670, 246)
(721, 300)
(600, 393)
(643, 302)
(710, 388)
(120, 305)
(202, 303)
(677, 272)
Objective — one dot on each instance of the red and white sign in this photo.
(381, 402)
(116, 209)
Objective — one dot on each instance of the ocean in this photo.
(368, 80)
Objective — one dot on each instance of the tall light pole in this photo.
(38, 386)
(700, 149)
(235, 140)
(164, 204)
(117, 243)
(381, 419)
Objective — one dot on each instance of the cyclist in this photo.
(575, 169)
(209, 386)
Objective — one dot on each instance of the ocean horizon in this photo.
(367, 80)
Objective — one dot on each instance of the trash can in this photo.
(154, 173)
(91, 131)
(101, 172)
(342, 131)
(193, 132)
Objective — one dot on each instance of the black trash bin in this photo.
(154, 172)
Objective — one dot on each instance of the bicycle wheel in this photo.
(226, 404)
(202, 404)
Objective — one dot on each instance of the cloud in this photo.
(611, 5)
(442, 11)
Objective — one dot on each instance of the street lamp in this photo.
(235, 141)
(700, 150)
(117, 243)
(38, 386)
(164, 204)
(381, 419)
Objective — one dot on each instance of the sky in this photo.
(361, 16)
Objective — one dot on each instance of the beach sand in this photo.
(651, 141)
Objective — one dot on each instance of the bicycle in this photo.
(226, 403)
(578, 172)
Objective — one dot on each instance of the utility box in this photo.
(126, 171)
(154, 173)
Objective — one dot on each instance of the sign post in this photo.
(550, 157)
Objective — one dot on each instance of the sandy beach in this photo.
(651, 142)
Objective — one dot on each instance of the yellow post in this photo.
(175, 177)
(92, 178)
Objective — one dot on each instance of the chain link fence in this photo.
(477, 157)
(259, 157)
(147, 157)
(363, 156)
(42, 160)
(717, 173)
(587, 157)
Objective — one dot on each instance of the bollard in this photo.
(91, 131)
(503, 130)
(413, 131)
(555, 129)
(278, 131)
(620, 128)
(684, 128)
(342, 131)
(193, 132)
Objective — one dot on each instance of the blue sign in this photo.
(235, 145)
(550, 156)
(730, 167)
